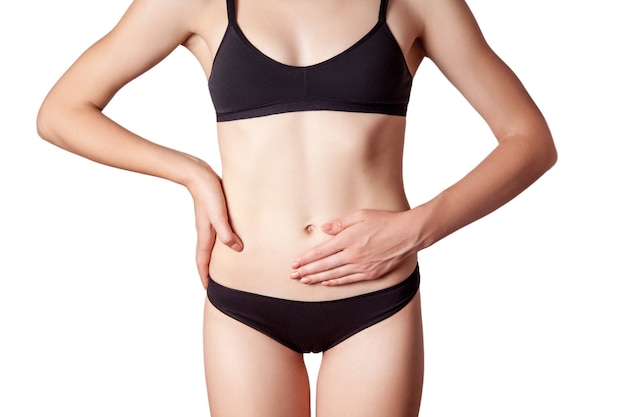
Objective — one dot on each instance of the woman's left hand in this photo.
(365, 245)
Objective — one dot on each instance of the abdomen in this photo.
(286, 175)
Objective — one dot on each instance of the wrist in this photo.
(423, 226)
(195, 173)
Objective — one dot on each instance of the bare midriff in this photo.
(285, 175)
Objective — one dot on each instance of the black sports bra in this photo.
(371, 76)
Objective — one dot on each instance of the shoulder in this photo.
(425, 10)
(443, 23)
(432, 15)
(176, 7)
(169, 15)
(423, 16)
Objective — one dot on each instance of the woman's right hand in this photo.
(211, 219)
(71, 115)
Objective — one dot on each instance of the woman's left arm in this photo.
(367, 244)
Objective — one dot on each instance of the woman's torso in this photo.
(284, 175)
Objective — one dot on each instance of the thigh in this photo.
(376, 372)
(249, 374)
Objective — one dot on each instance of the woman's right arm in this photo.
(71, 115)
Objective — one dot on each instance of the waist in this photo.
(273, 236)
(286, 175)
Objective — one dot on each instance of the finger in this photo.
(314, 268)
(204, 246)
(336, 226)
(329, 275)
(318, 252)
(224, 232)
(347, 279)
(226, 235)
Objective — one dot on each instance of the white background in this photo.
(100, 304)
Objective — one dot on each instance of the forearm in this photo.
(85, 131)
(510, 168)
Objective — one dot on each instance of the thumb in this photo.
(339, 225)
(226, 235)
(223, 230)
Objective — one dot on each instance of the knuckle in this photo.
(317, 253)
(371, 274)
(226, 236)
(218, 216)
(342, 281)
(349, 257)
(329, 283)
(341, 240)
(219, 222)
(333, 274)
(355, 257)
(320, 267)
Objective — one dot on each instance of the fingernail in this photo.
(295, 274)
(295, 265)
(305, 280)
(237, 247)
(327, 227)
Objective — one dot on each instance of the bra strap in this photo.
(230, 7)
(382, 14)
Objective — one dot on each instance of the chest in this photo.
(302, 32)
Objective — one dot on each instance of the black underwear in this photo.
(312, 326)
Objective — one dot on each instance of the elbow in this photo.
(536, 151)
(52, 122)
(541, 157)
(540, 149)
(46, 125)
(549, 154)
(554, 155)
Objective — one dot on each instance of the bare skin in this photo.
(311, 205)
